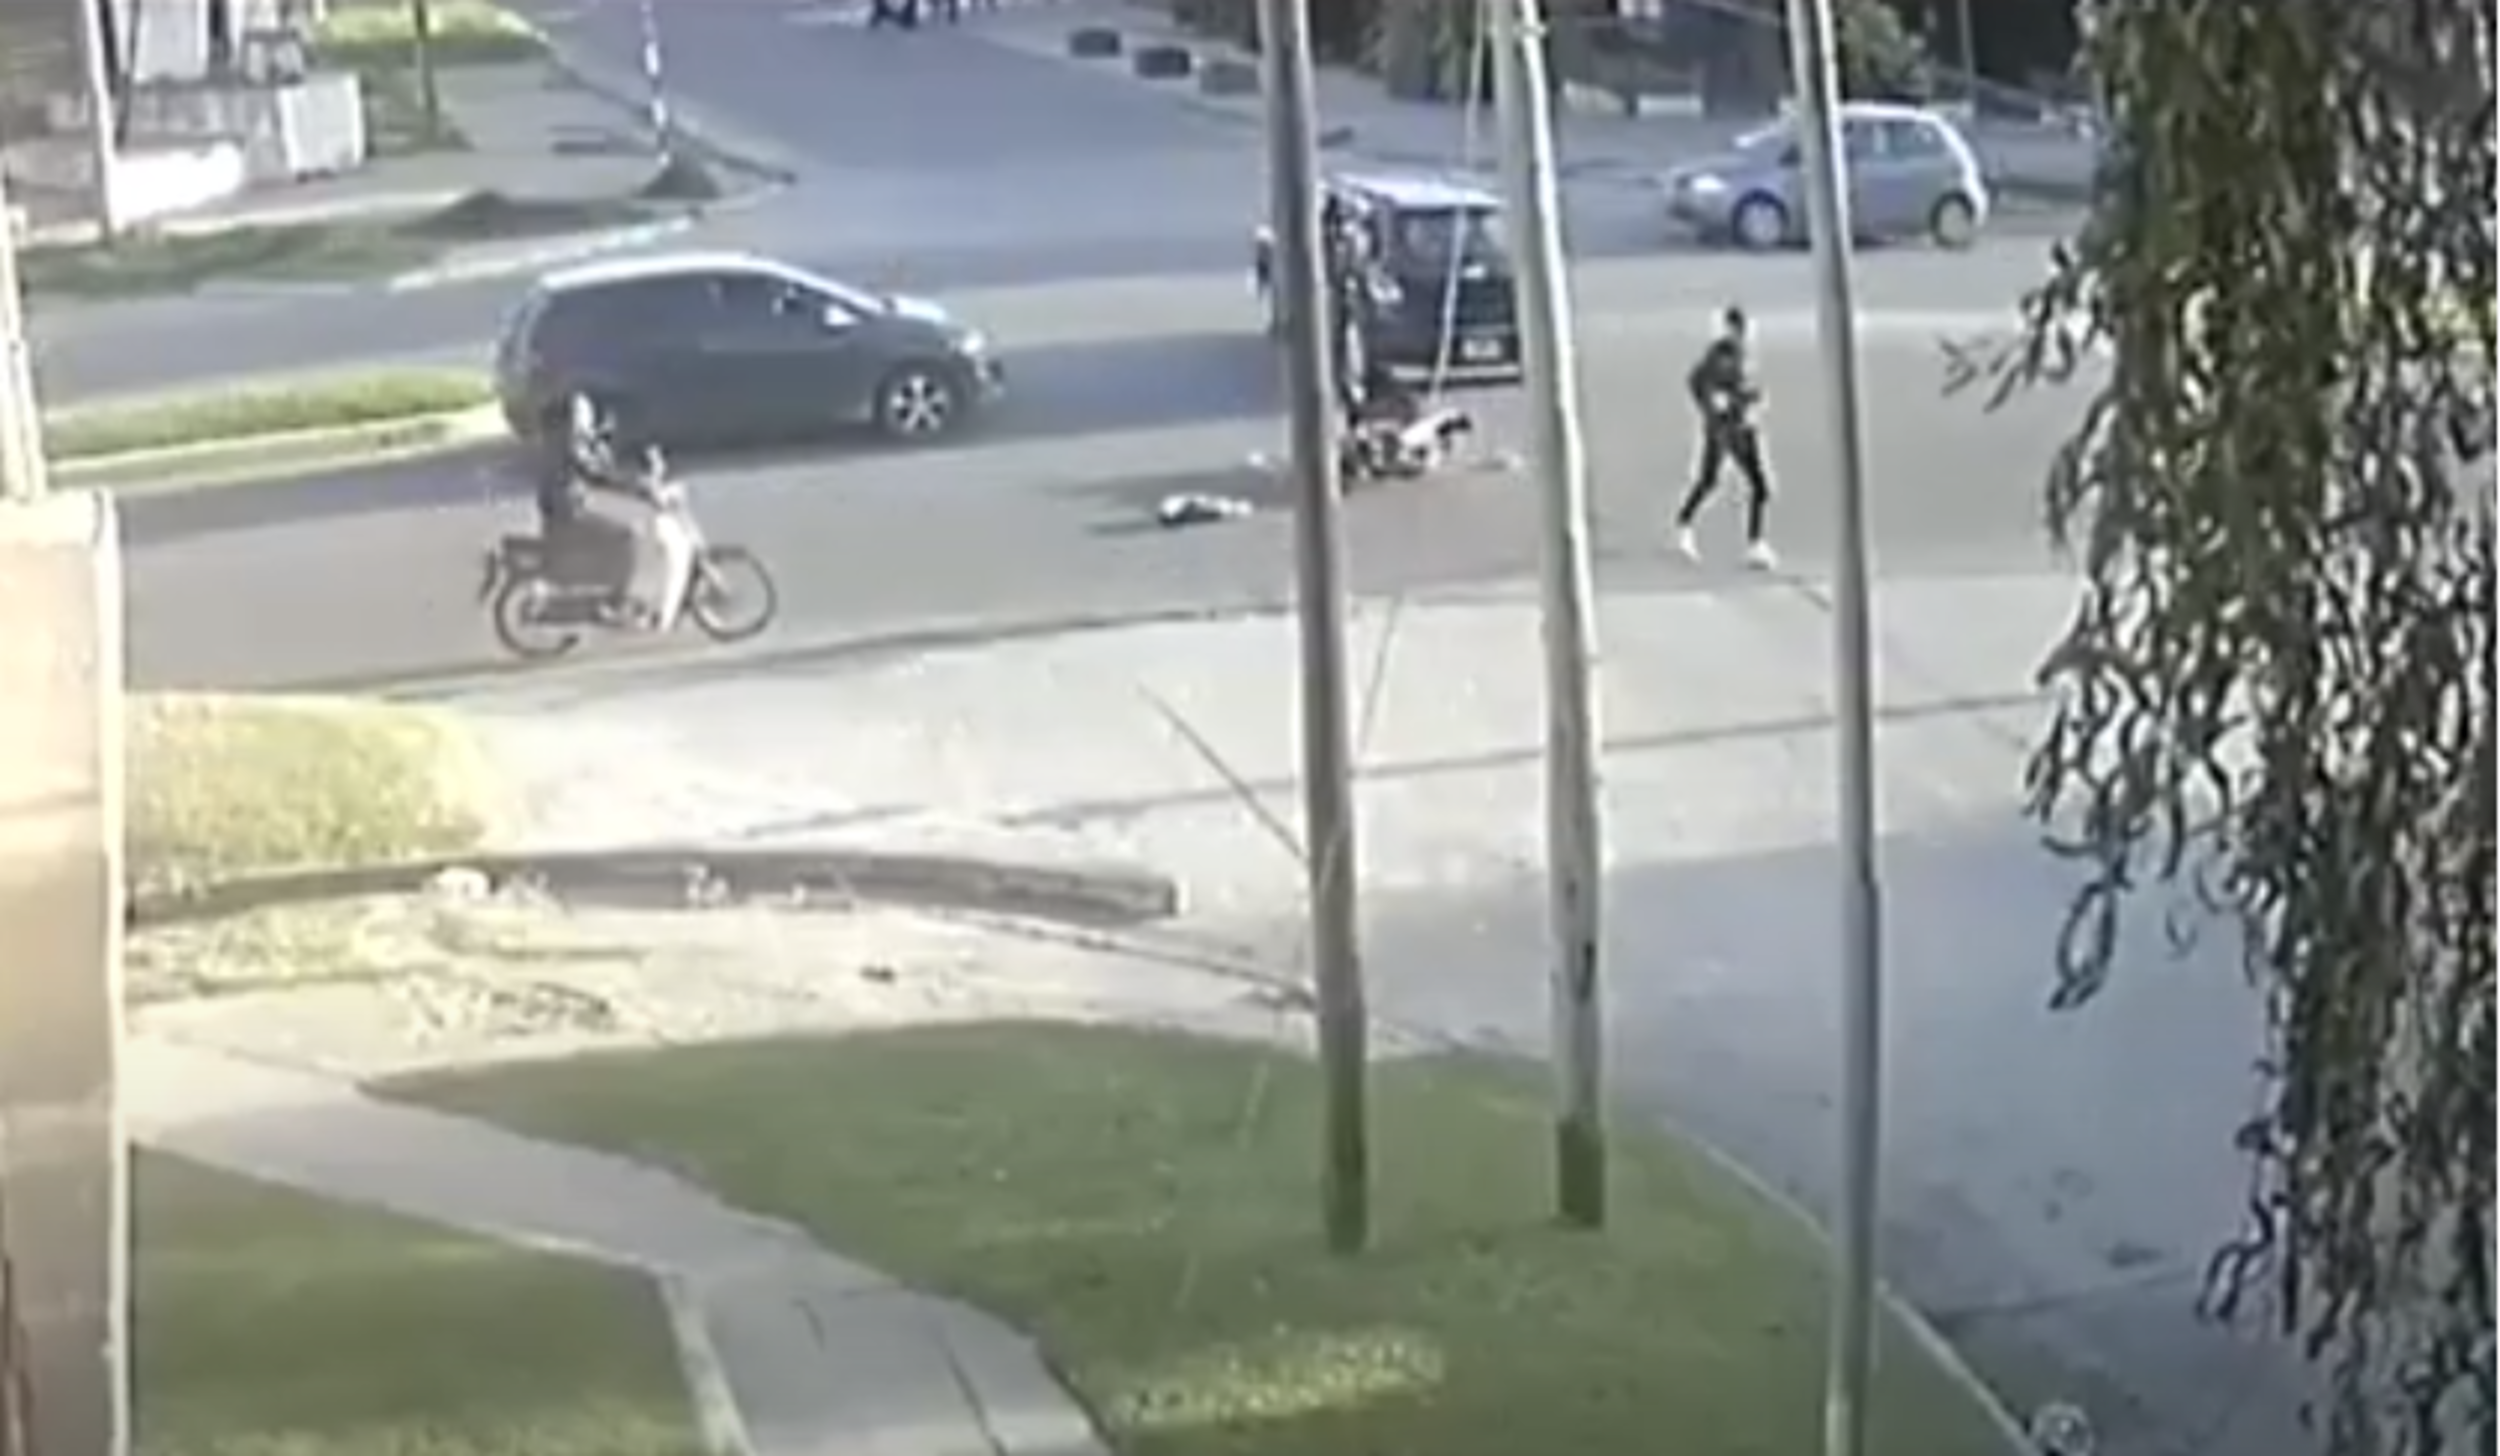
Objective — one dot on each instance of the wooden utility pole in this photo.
(1575, 847)
(1308, 308)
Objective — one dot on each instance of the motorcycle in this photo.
(1402, 445)
(730, 594)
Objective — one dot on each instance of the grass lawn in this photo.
(219, 786)
(1144, 1204)
(369, 397)
(374, 35)
(327, 250)
(270, 1323)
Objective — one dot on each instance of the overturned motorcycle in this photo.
(730, 595)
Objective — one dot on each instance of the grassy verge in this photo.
(380, 35)
(271, 1322)
(327, 250)
(225, 786)
(95, 431)
(221, 786)
(1143, 1203)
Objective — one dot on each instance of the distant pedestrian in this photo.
(1727, 394)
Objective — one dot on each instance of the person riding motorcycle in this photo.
(581, 461)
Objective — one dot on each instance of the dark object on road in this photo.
(898, 14)
(1424, 278)
(1224, 76)
(1407, 442)
(540, 612)
(1163, 62)
(729, 349)
(1093, 42)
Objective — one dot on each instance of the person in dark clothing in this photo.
(1727, 394)
(585, 546)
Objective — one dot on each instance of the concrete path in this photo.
(789, 1350)
(2054, 1183)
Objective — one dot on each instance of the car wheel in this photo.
(1954, 222)
(918, 402)
(1759, 223)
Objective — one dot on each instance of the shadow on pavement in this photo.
(467, 477)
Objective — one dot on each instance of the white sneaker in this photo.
(1687, 545)
(1760, 556)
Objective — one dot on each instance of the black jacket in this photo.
(1723, 386)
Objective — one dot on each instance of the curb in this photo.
(280, 455)
(532, 259)
(1083, 893)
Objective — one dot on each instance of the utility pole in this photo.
(1851, 1365)
(1575, 847)
(22, 471)
(104, 74)
(1969, 45)
(1309, 313)
(655, 89)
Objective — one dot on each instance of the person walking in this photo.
(1727, 393)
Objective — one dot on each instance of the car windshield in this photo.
(1468, 236)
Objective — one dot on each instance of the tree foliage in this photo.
(2274, 699)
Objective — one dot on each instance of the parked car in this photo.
(1432, 254)
(733, 348)
(1912, 174)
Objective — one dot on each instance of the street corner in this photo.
(701, 133)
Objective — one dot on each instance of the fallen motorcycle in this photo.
(730, 595)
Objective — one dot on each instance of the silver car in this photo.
(1912, 174)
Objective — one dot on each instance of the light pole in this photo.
(1861, 898)
(1307, 307)
(22, 472)
(1574, 863)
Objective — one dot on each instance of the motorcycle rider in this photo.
(580, 460)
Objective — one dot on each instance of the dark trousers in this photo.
(1723, 446)
(903, 14)
(593, 552)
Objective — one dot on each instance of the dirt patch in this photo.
(373, 987)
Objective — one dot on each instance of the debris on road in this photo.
(1197, 508)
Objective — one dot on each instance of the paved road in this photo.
(1122, 394)
(1060, 175)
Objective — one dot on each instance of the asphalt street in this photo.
(1121, 394)
(1060, 175)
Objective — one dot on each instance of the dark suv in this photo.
(1431, 250)
(729, 348)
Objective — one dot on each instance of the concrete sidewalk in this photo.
(789, 1350)
(2054, 1182)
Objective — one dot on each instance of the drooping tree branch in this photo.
(2274, 700)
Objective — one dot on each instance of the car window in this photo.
(1861, 139)
(1913, 138)
(1432, 238)
(755, 297)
